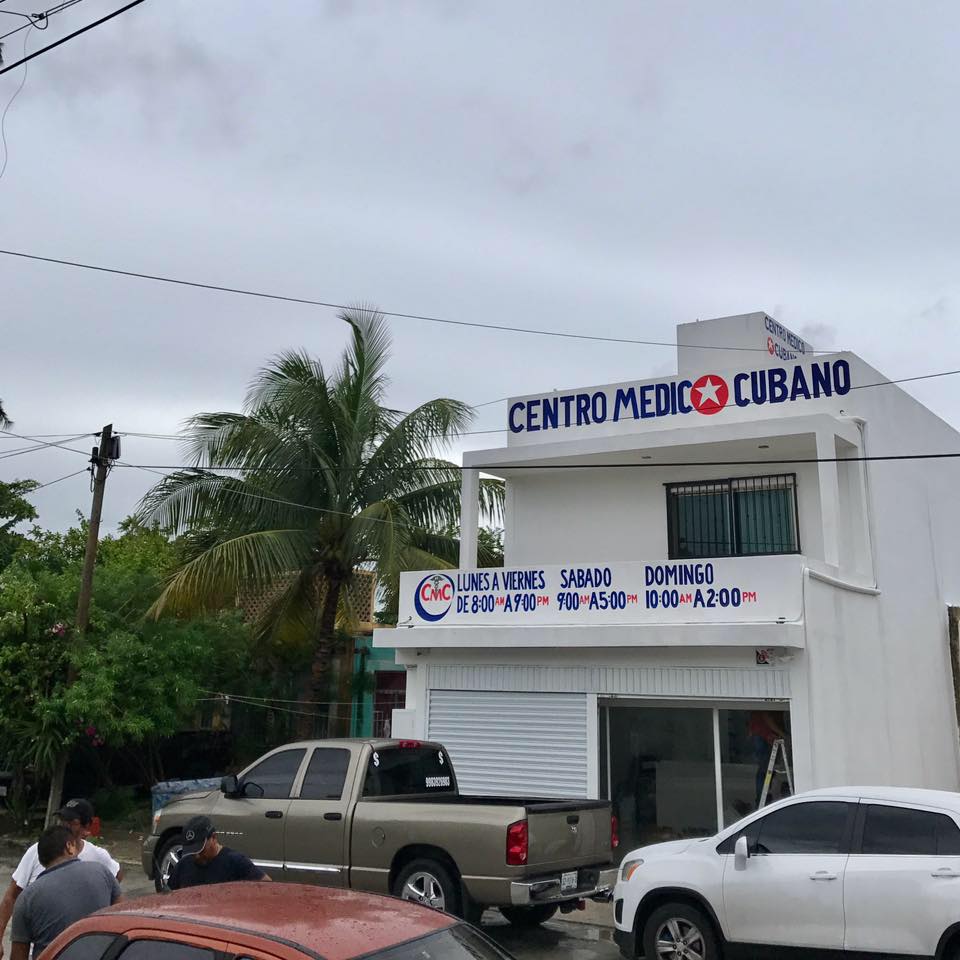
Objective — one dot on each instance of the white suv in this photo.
(870, 870)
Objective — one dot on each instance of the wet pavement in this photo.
(571, 940)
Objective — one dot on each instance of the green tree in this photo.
(14, 510)
(5, 421)
(324, 479)
(136, 680)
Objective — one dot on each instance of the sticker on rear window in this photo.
(438, 781)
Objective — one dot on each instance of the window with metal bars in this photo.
(739, 517)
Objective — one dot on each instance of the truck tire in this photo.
(679, 931)
(430, 883)
(167, 856)
(527, 917)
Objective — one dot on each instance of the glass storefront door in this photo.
(681, 770)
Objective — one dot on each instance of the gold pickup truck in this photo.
(386, 816)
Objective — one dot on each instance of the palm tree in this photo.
(5, 421)
(315, 480)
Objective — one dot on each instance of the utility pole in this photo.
(100, 461)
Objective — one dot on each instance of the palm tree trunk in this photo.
(318, 686)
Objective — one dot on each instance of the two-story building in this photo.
(695, 565)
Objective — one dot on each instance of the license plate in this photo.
(568, 881)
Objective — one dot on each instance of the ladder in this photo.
(781, 747)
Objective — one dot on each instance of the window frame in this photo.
(861, 823)
(726, 487)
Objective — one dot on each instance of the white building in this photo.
(691, 561)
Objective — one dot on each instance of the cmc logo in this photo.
(709, 394)
(433, 597)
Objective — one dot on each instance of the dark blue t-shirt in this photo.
(228, 865)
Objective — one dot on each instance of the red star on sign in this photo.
(770, 347)
(709, 394)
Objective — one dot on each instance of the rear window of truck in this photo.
(401, 771)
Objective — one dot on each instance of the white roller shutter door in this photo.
(513, 744)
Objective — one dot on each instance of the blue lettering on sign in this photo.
(669, 398)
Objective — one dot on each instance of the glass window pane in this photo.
(401, 771)
(700, 521)
(765, 518)
(901, 831)
(91, 947)
(276, 774)
(457, 943)
(662, 774)
(816, 827)
(164, 950)
(746, 741)
(326, 774)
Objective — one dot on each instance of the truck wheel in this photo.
(429, 883)
(678, 931)
(167, 858)
(529, 916)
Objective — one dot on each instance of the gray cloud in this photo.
(616, 168)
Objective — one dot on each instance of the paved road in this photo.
(572, 941)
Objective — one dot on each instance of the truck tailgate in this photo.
(564, 835)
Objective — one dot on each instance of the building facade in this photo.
(697, 566)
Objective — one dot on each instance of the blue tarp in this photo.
(163, 792)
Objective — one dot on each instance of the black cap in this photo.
(78, 809)
(196, 832)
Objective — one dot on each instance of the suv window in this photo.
(901, 831)
(276, 774)
(326, 774)
(90, 947)
(815, 827)
(399, 771)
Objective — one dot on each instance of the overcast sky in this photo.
(615, 168)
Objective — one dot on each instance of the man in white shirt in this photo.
(77, 817)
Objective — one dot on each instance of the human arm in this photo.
(6, 909)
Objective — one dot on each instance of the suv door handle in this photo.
(273, 814)
(944, 873)
(823, 875)
(333, 816)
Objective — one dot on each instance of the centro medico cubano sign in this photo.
(738, 590)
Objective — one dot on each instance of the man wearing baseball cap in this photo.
(203, 860)
(77, 816)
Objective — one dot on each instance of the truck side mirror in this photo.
(230, 786)
(741, 853)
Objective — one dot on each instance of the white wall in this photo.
(878, 670)
(621, 514)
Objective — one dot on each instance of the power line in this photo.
(50, 483)
(39, 20)
(16, 93)
(41, 444)
(387, 313)
(70, 36)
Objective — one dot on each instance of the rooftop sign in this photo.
(704, 395)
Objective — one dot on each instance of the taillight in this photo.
(614, 832)
(409, 744)
(518, 844)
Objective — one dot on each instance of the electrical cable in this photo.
(40, 20)
(50, 483)
(3, 116)
(41, 444)
(70, 36)
(387, 313)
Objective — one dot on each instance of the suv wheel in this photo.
(429, 883)
(167, 859)
(678, 931)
